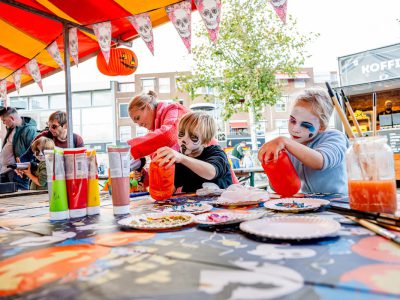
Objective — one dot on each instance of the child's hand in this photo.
(271, 149)
(167, 156)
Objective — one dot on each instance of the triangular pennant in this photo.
(142, 25)
(17, 79)
(53, 50)
(73, 44)
(103, 34)
(280, 7)
(180, 16)
(34, 71)
(210, 12)
(3, 92)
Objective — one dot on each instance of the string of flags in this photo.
(179, 14)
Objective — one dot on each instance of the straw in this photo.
(342, 116)
(353, 117)
(374, 114)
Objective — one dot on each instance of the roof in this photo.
(25, 34)
(298, 75)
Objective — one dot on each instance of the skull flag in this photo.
(73, 45)
(103, 34)
(17, 79)
(53, 50)
(280, 7)
(34, 71)
(142, 25)
(180, 16)
(210, 12)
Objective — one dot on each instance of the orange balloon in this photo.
(122, 62)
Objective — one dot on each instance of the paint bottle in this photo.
(56, 185)
(77, 178)
(119, 176)
(282, 175)
(161, 181)
(93, 192)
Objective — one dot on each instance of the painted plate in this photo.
(292, 227)
(227, 202)
(154, 221)
(221, 218)
(295, 204)
(193, 208)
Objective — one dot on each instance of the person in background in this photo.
(388, 108)
(20, 133)
(57, 131)
(247, 160)
(39, 177)
(238, 150)
(317, 153)
(197, 162)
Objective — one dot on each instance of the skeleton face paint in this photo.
(182, 23)
(190, 143)
(210, 13)
(303, 125)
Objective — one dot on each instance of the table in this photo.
(92, 258)
(244, 174)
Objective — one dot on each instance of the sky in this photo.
(345, 27)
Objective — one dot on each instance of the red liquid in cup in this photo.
(161, 181)
(373, 196)
(282, 175)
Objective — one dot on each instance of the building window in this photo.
(281, 105)
(101, 98)
(123, 110)
(125, 133)
(81, 100)
(96, 123)
(147, 84)
(57, 101)
(164, 85)
(19, 102)
(39, 102)
(299, 83)
(261, 127)
(281, 123)
(126, 87)
(141, 131)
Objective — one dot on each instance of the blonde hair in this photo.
(204, 125)
(139, 102)
(321, 103)
(42, 143)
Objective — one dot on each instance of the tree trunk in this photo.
(252, 116)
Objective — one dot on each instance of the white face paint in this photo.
(190, 143)
(182, 23)
(210, 13)
(303, 125)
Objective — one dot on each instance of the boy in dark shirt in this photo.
(196, 162)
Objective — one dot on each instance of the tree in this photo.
(253, 45)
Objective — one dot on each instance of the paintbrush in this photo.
(377, 229)
(374, 114)
(353, 117)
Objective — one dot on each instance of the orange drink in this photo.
(373, 195)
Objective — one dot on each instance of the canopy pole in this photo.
(68, 94)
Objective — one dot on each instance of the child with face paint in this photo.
(196, 162)
(318, 154)
(39, 177)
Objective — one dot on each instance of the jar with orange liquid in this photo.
(371, 176)
(161, 181)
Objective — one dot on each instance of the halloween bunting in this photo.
(180, 16)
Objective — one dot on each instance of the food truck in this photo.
(362, 74)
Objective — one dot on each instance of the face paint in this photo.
(190, 143)
(40, 156)
(303, 125)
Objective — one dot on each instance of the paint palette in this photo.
(295, 204)
(193, 208)
(222, 218)
(154, 221)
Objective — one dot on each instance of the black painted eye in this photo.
(194, 138)
(181, 134)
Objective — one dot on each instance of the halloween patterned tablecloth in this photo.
(93, 258)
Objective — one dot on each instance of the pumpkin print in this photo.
(122, 62)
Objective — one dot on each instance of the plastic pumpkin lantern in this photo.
(122, 62)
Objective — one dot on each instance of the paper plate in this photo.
(227, 202)
(292, 227)
(221, 218)
(193, 208)
(154, 221)
(295, 204)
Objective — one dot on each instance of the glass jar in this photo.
(371, 176)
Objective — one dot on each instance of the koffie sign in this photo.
(369, 66)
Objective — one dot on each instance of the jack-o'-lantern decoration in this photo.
(122, 62)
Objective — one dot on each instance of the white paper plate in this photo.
(154, 221)
(221, 218)
(227, 202)
(292, 227)
(193, 208)
(285, 204)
